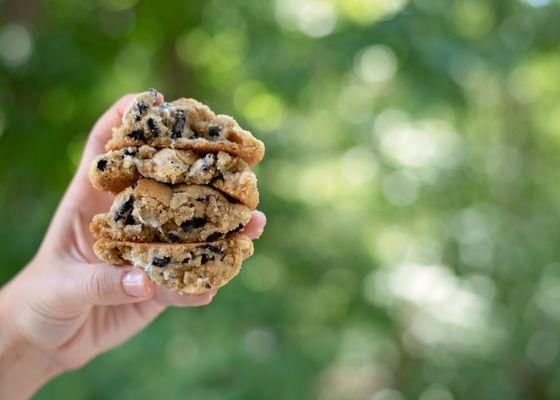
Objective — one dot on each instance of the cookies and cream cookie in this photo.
(183, 124)
(117, 169)
(154, 212)
(186, 268)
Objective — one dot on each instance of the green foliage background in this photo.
(411, 186)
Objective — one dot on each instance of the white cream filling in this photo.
(152, 223)
(201, 281)
(136, 260)
(133, 228)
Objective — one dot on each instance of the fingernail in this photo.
(135, 284)
(159, 98)
(260, 230)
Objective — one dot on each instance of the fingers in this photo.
(103, 128)
(80, 190)
(137, 284)
(169, 298)
(102, 131)
(255, 226)
(103, 284)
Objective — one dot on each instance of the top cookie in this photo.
(183, 124)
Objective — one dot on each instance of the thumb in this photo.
(105, 284)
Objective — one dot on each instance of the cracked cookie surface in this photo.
(117, 169)
(153, 212)
(186, 268)
(183, 124)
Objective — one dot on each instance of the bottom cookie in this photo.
(186, 268)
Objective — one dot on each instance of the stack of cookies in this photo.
(185, 191)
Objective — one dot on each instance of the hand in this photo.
(66, 307)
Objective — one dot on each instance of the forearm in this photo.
(24, 368)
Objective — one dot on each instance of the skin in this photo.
(65, 307)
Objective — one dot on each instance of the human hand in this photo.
(66, 307)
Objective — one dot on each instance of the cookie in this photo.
(186, 268)
(153, 212)
(117, 169)
(183, 124)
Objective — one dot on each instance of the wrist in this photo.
(24, 367)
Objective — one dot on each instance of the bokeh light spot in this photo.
(181, 351)
(315, 18)
(359, 165)
(389, 244)
(369, 11)
(261, 107)
(436, 392)
(401, 188)
(194, 47)
(472, 226)
(134, 57)
(265, 111)
(536, 3)
(388, 394)
(436, 302)
(518, 31)
(542, 349)
(326, 302)
(473, 18)
(347, 380)
(390, 119)
(319, 182)
(260, 344)
(16, 44)
(261, 273)
(376, 64)
(428, 143)
(247, 91)
(356, 101)
(474, 230)
(503, 163)
(528, 82)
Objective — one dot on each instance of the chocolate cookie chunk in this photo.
(117, 169)
(154, 212)
(183, 124)
(186, 268)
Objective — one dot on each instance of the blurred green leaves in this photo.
(410, 185)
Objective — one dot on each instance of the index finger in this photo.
(101, 133)
(103, 128)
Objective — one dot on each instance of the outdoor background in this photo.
(411, 184)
